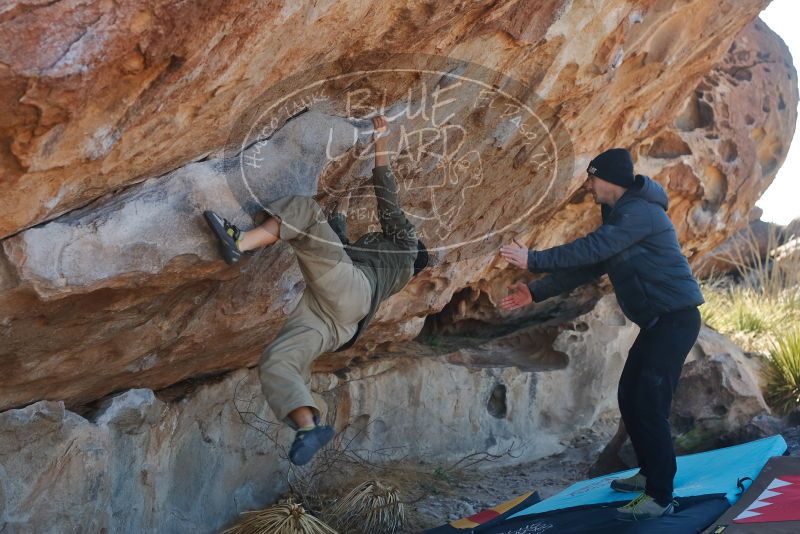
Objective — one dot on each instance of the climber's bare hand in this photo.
(380, 127)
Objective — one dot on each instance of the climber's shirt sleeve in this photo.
(394, 224)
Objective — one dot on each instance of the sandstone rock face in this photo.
(100, 96)
(122, 122)
(722, 150)
(746, 248)
(718, 393)
(191, 461)
(142, 464)
(759, 242)
(718, 402)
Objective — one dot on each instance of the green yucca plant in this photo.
(372, 507)
(282, 518)
(746, 319)
(750, 319)
(783, 373)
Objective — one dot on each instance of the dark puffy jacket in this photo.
(638, 248)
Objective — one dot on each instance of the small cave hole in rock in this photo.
(668, 146)
(497, 402)
(469, 313)
(715, 185)
(361, 423)
(742, 74)
(470, 329)
(729, 151)
(696, 114)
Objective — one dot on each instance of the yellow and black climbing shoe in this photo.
(228, 236)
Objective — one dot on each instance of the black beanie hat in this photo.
(615, 166)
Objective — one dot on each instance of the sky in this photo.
(781, 201)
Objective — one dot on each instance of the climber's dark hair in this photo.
(422, 258)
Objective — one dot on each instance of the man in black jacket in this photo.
(638, 248)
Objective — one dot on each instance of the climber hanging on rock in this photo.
(638, 247)
(345, 284)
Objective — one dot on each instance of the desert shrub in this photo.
(783, 373)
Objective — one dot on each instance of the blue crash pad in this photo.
(705, 473)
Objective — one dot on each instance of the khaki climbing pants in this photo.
(337, 296)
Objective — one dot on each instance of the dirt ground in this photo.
(467, 492)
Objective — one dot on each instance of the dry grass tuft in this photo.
(284, 518)
(372, 507)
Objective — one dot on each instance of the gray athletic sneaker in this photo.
(643, 507)
(634, 484)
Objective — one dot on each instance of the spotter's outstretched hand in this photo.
(519, 296)
(516, 254)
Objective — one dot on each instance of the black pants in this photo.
(645, 392)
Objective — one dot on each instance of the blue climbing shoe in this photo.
(308, 442)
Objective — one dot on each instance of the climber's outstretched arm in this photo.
(393, 220)
(380, 139)
(261, 236)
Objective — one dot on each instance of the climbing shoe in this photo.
(644, 507)
(634, 484)
(228, 236)
(308, 442)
